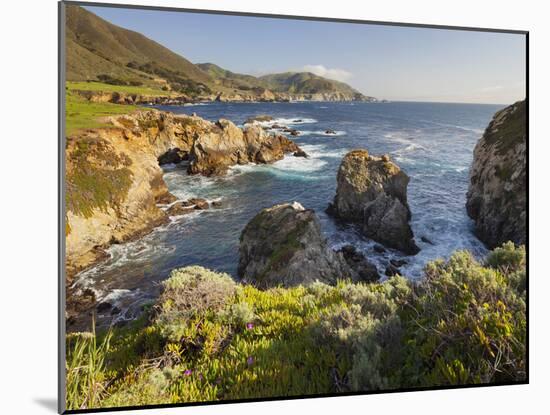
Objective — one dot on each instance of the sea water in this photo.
(431, 142)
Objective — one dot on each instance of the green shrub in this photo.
(208, 338)
(466, 323)
(97, 176)
(85, 369)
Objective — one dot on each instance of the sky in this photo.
(388, 62)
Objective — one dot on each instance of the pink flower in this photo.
(187, 372)
(250, 361)
(249, 326)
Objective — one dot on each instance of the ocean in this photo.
(431, 142)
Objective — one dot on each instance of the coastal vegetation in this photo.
(208, 338)
(81, 113)
(105, 87)
(303, 318)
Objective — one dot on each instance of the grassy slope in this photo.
(231, 78)
(208, 338)
(291, 82)
(82, 114)
(97, 48)
(101, 86)
(303, 82)
(114, 47)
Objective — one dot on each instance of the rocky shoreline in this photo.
(183, 99)
(283, 244)
(114, 178)
(497, 196)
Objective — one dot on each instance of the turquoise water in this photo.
(432, 143)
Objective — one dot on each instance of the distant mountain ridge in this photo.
(97, 50)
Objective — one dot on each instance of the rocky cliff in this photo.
(226, 145)
(497, 195)
(372, 191)
(114, 183)
(265, 95)
(283, 245)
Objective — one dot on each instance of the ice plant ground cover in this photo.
(208, 338)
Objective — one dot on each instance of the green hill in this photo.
(231, 79)
(100, 51)
(304, 83)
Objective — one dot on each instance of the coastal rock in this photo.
(200, 204)
(497, 195)
(174, 156)
(365, 270)
(185, 207)
(391, 270)
(114, 181)
(166, 198)
(373, 193)
(179, 209)
(427, 240)
(300, 153)
(227, 145)
(283, 245)
(115, 184)
(259, 118)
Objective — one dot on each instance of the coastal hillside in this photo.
(208, 338)
(115, 183)
(293, 84)
(99, 51)
(304, 83)
(497, 195)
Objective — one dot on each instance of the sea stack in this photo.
(283, 245)
(497, 195)
(372, 191)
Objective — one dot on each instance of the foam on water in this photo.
(436, 154)
(286, 121)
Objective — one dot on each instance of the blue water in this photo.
(432, 143)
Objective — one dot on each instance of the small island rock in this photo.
(373, 192)
(283, 245)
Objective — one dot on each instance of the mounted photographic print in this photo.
(258, 207)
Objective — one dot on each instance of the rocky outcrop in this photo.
(114, 182)
(132, 99)
(242, 96)
(372, 191)
(227, 145)
(497, 195)
(365, 271)
(283, 245)
(185, 207)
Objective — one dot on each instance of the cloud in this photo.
(492, 88)
(332, 73)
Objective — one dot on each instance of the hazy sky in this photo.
(396, 63)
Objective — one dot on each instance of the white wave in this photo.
(169, 166)
(458, 127)
(409, 148)
(195, 104)
(286, 121)
(299, 164)
(114, 295)
(242, 169)
(321, 151)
